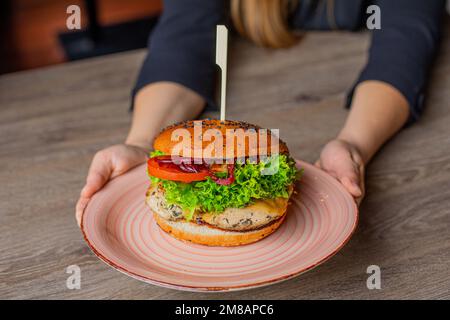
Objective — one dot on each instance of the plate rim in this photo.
(190, 288)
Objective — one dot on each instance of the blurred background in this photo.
(33, 33)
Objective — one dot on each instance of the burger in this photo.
(219, 183)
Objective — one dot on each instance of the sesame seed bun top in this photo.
(209, 137)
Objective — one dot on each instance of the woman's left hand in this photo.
(343, 161)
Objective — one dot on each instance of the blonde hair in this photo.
(265, 22)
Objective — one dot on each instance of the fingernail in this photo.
(83, 191)
(357, 188)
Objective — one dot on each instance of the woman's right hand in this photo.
(107, 164)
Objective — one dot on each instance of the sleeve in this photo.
(402, 51)
(181, 48)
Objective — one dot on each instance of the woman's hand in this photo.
(344, 162)
(107, 164)
(157, 105)
(378, 111)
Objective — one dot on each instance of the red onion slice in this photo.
(184, 164)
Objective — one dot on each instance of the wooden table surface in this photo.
(53, 120)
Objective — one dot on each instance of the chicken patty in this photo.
(253, 216)
(157, 202)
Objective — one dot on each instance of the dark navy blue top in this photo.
(182, 45)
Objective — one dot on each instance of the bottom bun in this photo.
(210, 236)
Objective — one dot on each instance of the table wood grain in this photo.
(53, 120)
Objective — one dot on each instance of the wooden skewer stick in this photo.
(221, 61)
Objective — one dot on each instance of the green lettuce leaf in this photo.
(250, 184)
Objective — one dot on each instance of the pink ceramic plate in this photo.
(121, 231)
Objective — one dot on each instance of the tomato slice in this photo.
(171, 171)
